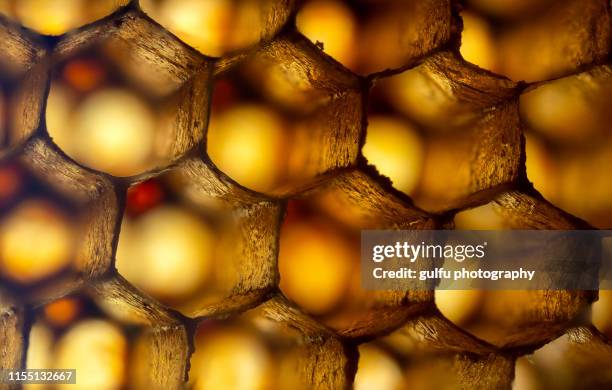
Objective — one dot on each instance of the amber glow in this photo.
(55, 17)
(384, 39)
(10, 182)
(51, 17)
(84, 75)
(246, 142)
(230, 359)
(97, 350)
(566, 110)
(427, 97)
(5, 7)
(55, 240)
(396, 150)
(458, 305)
(525, 375)
(315, 265)
(479, 218)
(582, 190)
(542, 169)
(40, 351)
(213, 27)
(167, 252)
(331, 23)
(144, 196)
(477, 44)
(377, 370)
(112, 130)
(506, 8)
(62, 312)
(198, 23)
(602, 312)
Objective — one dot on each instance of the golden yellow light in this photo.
(331, 23)
(602, 312)
(202, 24)
(230, 359)
(246, 142)
(525, 375)
(422, 95)
(51, 17)
(111, 130)
(477, 44)
(582, 191)
(542, 169)
(396, 150)
(97, 349)
(377, 370)
(39, 348)
(507, 8)
(479, 218)
(55, 17)
(168, 252)
(5, 7)
(458, 305)
(565, 110)
(385, 40)
(315, 266)
(60, 105)
(55, 240)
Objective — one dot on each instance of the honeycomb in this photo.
(515, 139)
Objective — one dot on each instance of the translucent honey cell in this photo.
(218, 27)
(53, 17)
(248, 141)
(395, 148)
(112, 115)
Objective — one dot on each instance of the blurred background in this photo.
(105, 115)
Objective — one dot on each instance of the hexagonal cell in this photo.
(519, 318)
(188, 239)
(122, 104)
(370, 36)
(579, 359)
(434, 354)
(319, 257)
(71, 212)
(560, 40)
(469, 124)
(271, 347)
(56, 17)
(23, 80)
(291, 114)
(137, 346)
(220, 27)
